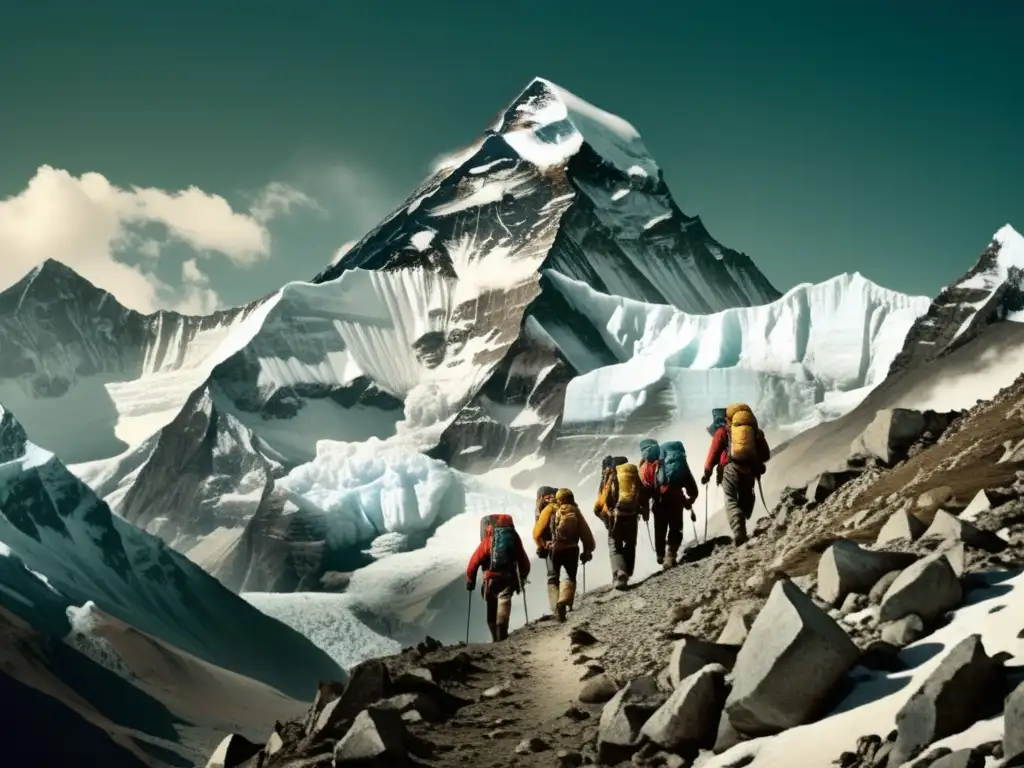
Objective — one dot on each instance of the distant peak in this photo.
(1007, 235)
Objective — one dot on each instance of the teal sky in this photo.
(818, 137)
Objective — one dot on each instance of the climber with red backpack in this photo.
(505, 565)
(739, 452)
(622, 500)
(559, 531)
(672, 488)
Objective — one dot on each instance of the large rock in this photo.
(737, 626)
(598, 689)
(690, 716)
(901, 525)
(846, 568)
(1013, 724)
(962, 758)
(376, 734)
(368, 682)
(827, 483)
(963, 689)
(951, 528)
(928, 588)
(232, 751)
(791, 662)
(622, 718)
(691, 654)
(894, 430)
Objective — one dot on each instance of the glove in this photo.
(705, 478)
(470, 586)
(586, 557)
(646, 516)
(693, 516)
(542, 552)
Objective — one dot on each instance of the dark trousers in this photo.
(498, 592)
(668, 528)
(567, 559)
(622, 543)
(738, 486)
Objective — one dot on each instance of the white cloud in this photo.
(86, 221)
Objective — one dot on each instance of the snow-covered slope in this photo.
(560, 181)
(61, 548)
(992, 291)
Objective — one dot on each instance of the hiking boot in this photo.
(562, 607)
(621, 580)
(670, 561)
(501, 621)
(553, 597)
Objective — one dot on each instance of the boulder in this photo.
(406, 702)
(274, 744)
(827, 483)
(622, 718)
(727, 736)
(957, 557)
(893, 430)
(598, 690)
(737, 626)
(689, 718)
(232, 751)
(326, 692)
(951, 528)
(691, 654)
(901, 525)
(793, 658)
(928, 588)
(375, 734)
(368, 682)
(958, 693)
(847, 567)
(980, 504)
(903, 631)
(1013, 724)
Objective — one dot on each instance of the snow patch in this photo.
(422, 240)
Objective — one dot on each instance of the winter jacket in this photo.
(667, 494)
(719, 451)
(481, 559)
(542, 531)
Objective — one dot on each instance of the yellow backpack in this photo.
(627, 481)
(742, 434)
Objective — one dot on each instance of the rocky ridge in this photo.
(742, 643)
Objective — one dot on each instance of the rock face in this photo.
(962, 690)
(928, 588)
(889, 436)
(623, 717)
(690, 716)
(232, 751)
(691, 654)
(375, 734)
(846, 568)
(1013, 724)
(793, 657)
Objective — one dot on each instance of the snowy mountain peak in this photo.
(546, 124)
(991, 291)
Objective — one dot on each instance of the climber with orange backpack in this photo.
(559, 531)
(622, 499)
(672, 489)
(505, 565)
(739, 451)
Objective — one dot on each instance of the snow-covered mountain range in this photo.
(547, 258)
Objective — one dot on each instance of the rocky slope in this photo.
(879, 609)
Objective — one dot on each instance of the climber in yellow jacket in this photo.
(622, 499)
(560, 530)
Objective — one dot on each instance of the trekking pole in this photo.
(469, 611)
(650, 540)
(706, 496)
(522, 591)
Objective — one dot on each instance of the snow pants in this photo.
(668, 529)
(738, 485)
(498, 592)
(562, 591)
(622, 543)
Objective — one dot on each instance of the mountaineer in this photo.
(739, 452)
(505, 565)
(621, 499)
(559, 531)
(672, 488)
